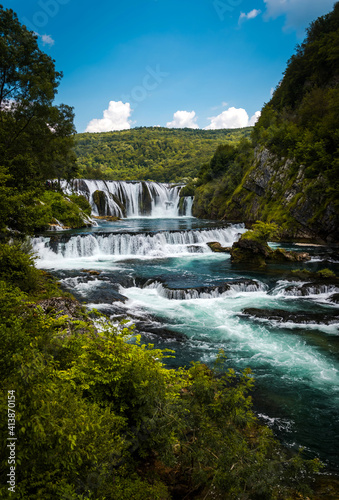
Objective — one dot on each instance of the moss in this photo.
(64, 209)
(326, 273)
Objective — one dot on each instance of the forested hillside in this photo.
(292, 171)
(150, 153)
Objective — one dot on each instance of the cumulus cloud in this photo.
(251, 15)
(47, 40)
(253, 120)
(116, 117)
(298, 13)
(232, 118)
(183, 119)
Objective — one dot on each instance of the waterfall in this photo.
(165, 243)
(207, 292)
(131, 198)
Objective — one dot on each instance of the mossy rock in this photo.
(99, 198)
(215, 246)
(250, 251)
(281, 255)
(145, 200)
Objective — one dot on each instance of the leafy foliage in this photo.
(263, 232)
(99, 416)
(301, 120)
(218, 179)
(68, 210)
(36, 137)
(150, 153)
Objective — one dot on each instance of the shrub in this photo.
(18, 268)
(263, 232)
(326, 273)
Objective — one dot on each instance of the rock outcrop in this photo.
(277, 189)
(252, 251)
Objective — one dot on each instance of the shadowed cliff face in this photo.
(276, 188)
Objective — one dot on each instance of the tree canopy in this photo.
(36, 137)
(150, 153)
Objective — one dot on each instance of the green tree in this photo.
(35, 136)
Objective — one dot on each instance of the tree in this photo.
(36, 138)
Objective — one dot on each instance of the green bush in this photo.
(82, 203)
(18, 268)
(326, 273)
(263, 232)
(102, 418)
(68, 211)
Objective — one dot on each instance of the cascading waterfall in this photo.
(160, 244)
(132, 199)
(212, 292)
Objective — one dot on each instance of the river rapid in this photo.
(159, 271)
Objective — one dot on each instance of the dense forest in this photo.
(150, 153)
(289, 172)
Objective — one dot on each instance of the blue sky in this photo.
(196, 63)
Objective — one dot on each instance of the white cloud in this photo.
(116, 117)
(182, 119)
(47, 40)
(253, 120)
(299, 13)
(232, 118)
(251, 15)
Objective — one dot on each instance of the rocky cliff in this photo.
(277, 189)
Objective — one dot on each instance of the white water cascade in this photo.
(212, 292)
(161, 244)
(132, 198)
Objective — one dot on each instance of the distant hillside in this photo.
(150, 153)
(290, 172)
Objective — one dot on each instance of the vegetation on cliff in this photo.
(291, 176)
(150, 153)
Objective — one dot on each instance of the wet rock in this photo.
(159, 331)
(90, 271)
(215, 246)
(250, 251)
(110, 218)
(281, 255)
(334, 298)
(258, 253)
(313, 288)
(145, 200)
(291, 317)
(99, 198)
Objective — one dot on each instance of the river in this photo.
(156, 268)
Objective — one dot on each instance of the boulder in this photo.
(250, 251)
(215, 246)
(291, 317)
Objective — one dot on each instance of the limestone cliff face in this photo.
(277, 189)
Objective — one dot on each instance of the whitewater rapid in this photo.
(170, 281)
